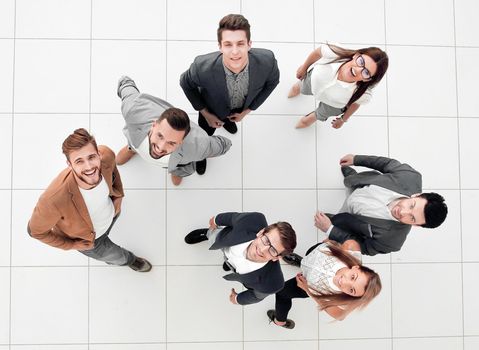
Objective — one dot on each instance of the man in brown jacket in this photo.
(79, 208)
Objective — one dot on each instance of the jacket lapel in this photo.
(78, 201)
(253, 74)
(220, 80)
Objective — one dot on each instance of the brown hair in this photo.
(233, 22)
(286, 234)
(177, 118)
(79, 139)
(378, 56)
(349, 302)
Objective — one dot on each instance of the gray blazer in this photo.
(141, 110)
(204, 83)
(241, 228)
(377, 236)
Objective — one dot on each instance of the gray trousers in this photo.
(109, 252)
(323, 111)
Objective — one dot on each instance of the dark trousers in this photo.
(209, 130)
(290, 291)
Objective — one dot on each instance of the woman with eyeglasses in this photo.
(334, 277)
(340, 80)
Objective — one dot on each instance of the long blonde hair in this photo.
(343, 300)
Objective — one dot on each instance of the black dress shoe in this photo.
(272, 315)
(196, 236)
(347, 171)
(226, 267)
(230, 126)
(293, 259)
(201, 167)
(140, 265)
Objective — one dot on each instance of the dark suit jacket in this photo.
(241, 228)
(377, 236)
(204, 83)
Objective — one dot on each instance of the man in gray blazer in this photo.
(226, 85)
(163, 135)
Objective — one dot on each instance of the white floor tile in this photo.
(467, 74)
(127, 306)
(7, 18)
(198, 206)
(28, 251)
(441, 343)
(5, 227)
(443, 243)
(6, 150)
(471, 343)
(108, 130)
(303, 312)
(376, 315)
(468, 143)
(29, 170)
(358, 344)
(466, 22)
(344, 27)
(282, 345)
(49, 305)
(469, 200)
(6, 71)
(278, 205)
(53, 19)
(49, 347)
(296, 20)
(187, 25)
(429, 145)
(123, 19)
(414, 287)
(419, 78)
(333, 144)
(205, 346)
(287, 156)
(4, 305)
(471, 304)
(196, 294)
(141, 226)
(56, 81)
(140, 60)
(127, 347)
(420, 28)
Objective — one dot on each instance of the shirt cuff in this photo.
(328, 232)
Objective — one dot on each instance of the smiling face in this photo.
(265, 247)
(360, 68)
(234, 46)
(410, 211)
(85, 163)
(351, 281)
(164, 139)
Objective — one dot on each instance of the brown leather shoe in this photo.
(176, 180)
(140, 265)
(124, 155)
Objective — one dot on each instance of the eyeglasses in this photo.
(272, 250)
(361, 63)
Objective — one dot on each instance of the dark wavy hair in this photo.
(435, 210)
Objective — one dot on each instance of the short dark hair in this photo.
(233, 22)
(286, 234)
(79, 139)
(435, 210)
(177, 118)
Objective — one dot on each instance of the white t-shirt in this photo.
(236, 256)
(325, 85)
(100, 207)
(144, 151)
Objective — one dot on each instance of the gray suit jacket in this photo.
(141, 110)
(377, 235)
(204, 83)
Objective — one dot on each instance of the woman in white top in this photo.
(340, 79)
(334, 277)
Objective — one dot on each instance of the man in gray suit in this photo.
(383, 206)
(226, 85)
(163, 135)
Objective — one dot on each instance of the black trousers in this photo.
(290, 291)
(209, 130)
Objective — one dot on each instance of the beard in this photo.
(89, 180)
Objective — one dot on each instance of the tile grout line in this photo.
(11, 173)
(459, 173)
(242, 200)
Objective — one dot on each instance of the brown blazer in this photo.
(61, 216)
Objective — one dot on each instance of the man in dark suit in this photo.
(251, 249)
(224, 86)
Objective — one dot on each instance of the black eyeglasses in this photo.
(272, 250)
(361, 63)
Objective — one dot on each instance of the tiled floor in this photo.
(59, 63)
